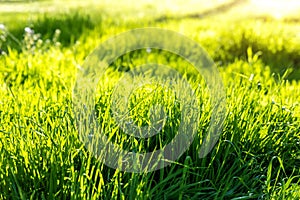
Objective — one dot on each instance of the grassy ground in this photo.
(256, 157)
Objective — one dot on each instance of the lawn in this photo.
(44, 45)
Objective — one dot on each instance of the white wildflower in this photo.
(57, 32)
(29, 30)
(148, 50)
(2, 27)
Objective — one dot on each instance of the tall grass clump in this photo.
(257, 155)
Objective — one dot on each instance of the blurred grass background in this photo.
(235, 25)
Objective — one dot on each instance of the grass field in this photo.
(257, 53)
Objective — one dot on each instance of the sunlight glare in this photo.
(276, 8)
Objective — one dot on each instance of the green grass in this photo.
(256, 157)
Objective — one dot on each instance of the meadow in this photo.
(43, 44)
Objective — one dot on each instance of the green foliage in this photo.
(68, 26)
(72, 26)
(257, 156)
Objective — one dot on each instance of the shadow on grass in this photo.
(213, 11)
(279, 58)
(72, 26)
